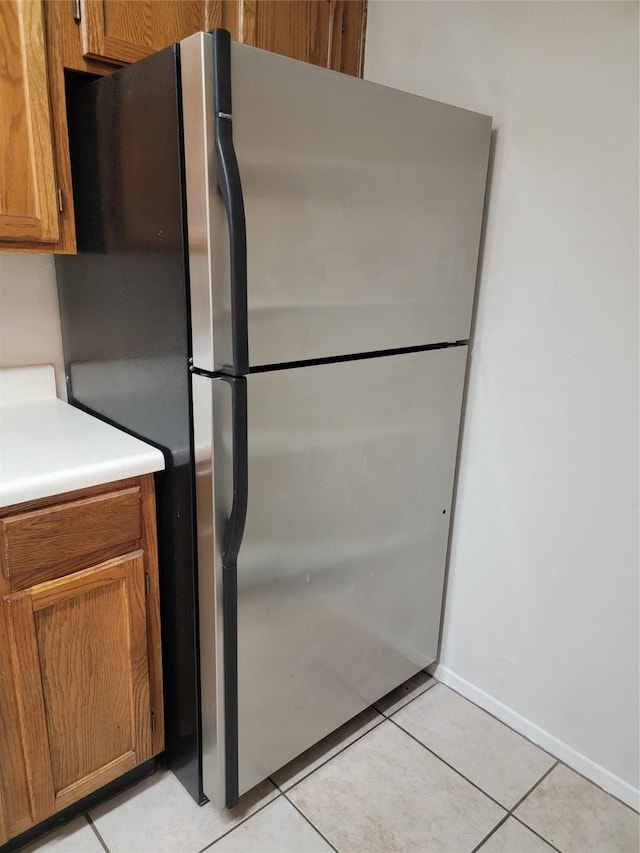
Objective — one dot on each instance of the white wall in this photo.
(541, 620)
(29, 317)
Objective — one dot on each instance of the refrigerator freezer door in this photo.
(341, 568)
(363, 211)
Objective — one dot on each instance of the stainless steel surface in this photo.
(208, 232)
(363, 209)
(207, 443)
(340, 573)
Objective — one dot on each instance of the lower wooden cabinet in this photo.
(80, 676)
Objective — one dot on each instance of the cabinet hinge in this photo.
(77, 11)
(147, 583)
(153, 720)
(60, 204)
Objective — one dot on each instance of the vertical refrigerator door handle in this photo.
(232, 539)
(234, 529)
(230, 188)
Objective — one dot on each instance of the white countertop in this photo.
(48, 447)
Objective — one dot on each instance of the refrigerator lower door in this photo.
(341, 568)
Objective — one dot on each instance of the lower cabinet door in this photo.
(4, 830)
(78, 651)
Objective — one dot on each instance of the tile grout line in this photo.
(95, 829)
(508, 811)
(529, 740)
(534, 786)
(511, 811)
(450, 766)
(384, 716)
(302, 814)
(240, 822)
(500, 823)
(526, 796)
(331, 757)
(537, 834)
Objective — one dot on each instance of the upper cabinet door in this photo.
(122, 31)
(28, 195)
(329, 33)
(324, 32)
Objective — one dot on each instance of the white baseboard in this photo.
(571, 757)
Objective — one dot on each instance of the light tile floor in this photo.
(424, 771)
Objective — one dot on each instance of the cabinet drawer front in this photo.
(53, 541)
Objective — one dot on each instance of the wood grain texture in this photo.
(83, 787)
(68, 497)
(122, 31)
(30, 703)
(139, 660)
(91, 635)
(213, 14)
(346, 50)
(80, 666)
(44, 543)
(84, 660)
(28, 195)
(13, 780)
(4, 832)
(227, 14)
(295, 28)
(63, 50)
(329, 33)
(57, 592)
(79, 652)
(246, 22)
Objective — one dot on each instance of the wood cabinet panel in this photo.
(300, 30)
(122, 31)
(28, 193)
(79, 660)
(14, 791)
(38, 545)
(92, 637)
(23, 648)
(4, 831)
(80, 657)
(348, 37)
(329, 33)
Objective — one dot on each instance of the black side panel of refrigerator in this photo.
(124, 313)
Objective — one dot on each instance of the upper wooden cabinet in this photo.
(324, 32)
(122, 31)
(98, 36)
(28, 190)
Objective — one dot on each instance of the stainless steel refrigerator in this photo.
(275, 285)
